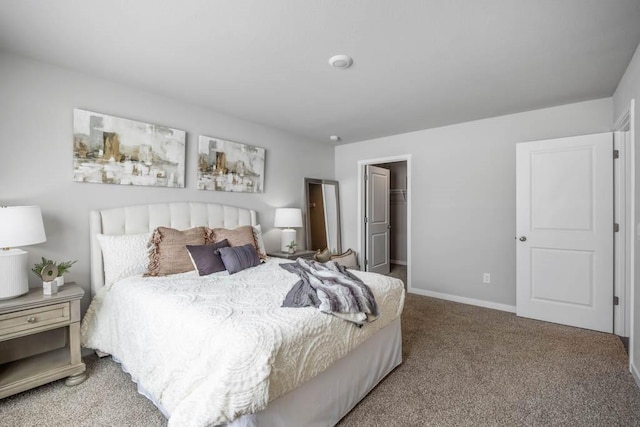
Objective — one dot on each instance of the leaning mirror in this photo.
(322, 214)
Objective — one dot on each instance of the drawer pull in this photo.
(32, 320)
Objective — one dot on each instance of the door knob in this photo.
(523, 238)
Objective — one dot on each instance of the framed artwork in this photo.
(230, 166)
(112, 150)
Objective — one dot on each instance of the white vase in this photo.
(60, 281)
(49, 288)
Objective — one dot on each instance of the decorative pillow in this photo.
(168, 253)
(240, 236)
(347, 259)
(322, 255)
(123, 255)
(206, 259)
(257, 235)
(238, 258)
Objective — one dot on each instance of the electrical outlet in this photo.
(486, 278)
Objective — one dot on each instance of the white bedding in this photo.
(209, 349)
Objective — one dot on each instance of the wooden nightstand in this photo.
(40, 340)
(296, 255)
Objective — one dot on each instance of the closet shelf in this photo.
(399, 192)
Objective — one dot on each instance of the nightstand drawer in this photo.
(25, 320)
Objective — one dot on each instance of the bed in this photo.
(308, 368)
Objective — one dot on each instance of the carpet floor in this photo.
(462, 366)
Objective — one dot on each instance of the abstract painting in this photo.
(112, 150)
(230, 166)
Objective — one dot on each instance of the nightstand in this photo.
(40, 340)
(296, 255)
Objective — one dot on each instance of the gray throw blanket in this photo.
(332, 289)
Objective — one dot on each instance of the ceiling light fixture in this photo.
(341, 61)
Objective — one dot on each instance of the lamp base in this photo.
(288, 235)
(13, 273)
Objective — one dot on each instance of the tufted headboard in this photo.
(145, 218)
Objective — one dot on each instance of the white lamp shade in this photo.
(288, 218)
(21, 226)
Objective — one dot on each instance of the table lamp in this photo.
(19, 226)
(288, 218)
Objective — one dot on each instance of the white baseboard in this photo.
(635, 374)
(395, 261)
(464, 300)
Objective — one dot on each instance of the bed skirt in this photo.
(340, 387)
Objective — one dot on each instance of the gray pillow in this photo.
(205, 258)
(238, 258)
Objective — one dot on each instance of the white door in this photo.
(565, 231)
(377, 222)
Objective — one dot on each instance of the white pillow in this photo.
(257, 234)
(123, 255)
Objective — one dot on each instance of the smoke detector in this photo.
(334, 138)
(341, 61)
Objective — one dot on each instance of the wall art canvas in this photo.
(112, 150)
(230, 166)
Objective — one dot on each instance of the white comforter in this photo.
(210, 349)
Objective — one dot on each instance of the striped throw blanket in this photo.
(332, 289)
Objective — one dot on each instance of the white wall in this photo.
(36, 140)
(463, 194)
(628, 89)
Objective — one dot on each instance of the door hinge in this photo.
(616, 154)
(366, 262)
(365, 219)
(616, 227)
(616, 301)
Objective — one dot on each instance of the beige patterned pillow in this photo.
(322, 255)
(347, 259)
(167, 250)
(257, 235)
(237, 237)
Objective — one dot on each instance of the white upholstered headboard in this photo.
(145, 218)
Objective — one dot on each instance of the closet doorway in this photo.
(384, 234)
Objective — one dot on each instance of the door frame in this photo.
(623, 241)
(362, 210)
(625, 123)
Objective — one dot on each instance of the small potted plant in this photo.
(292, 247)
(63, 267)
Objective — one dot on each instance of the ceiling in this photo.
(417, 63)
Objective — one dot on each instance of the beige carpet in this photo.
(470, 366)
(463, 366)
